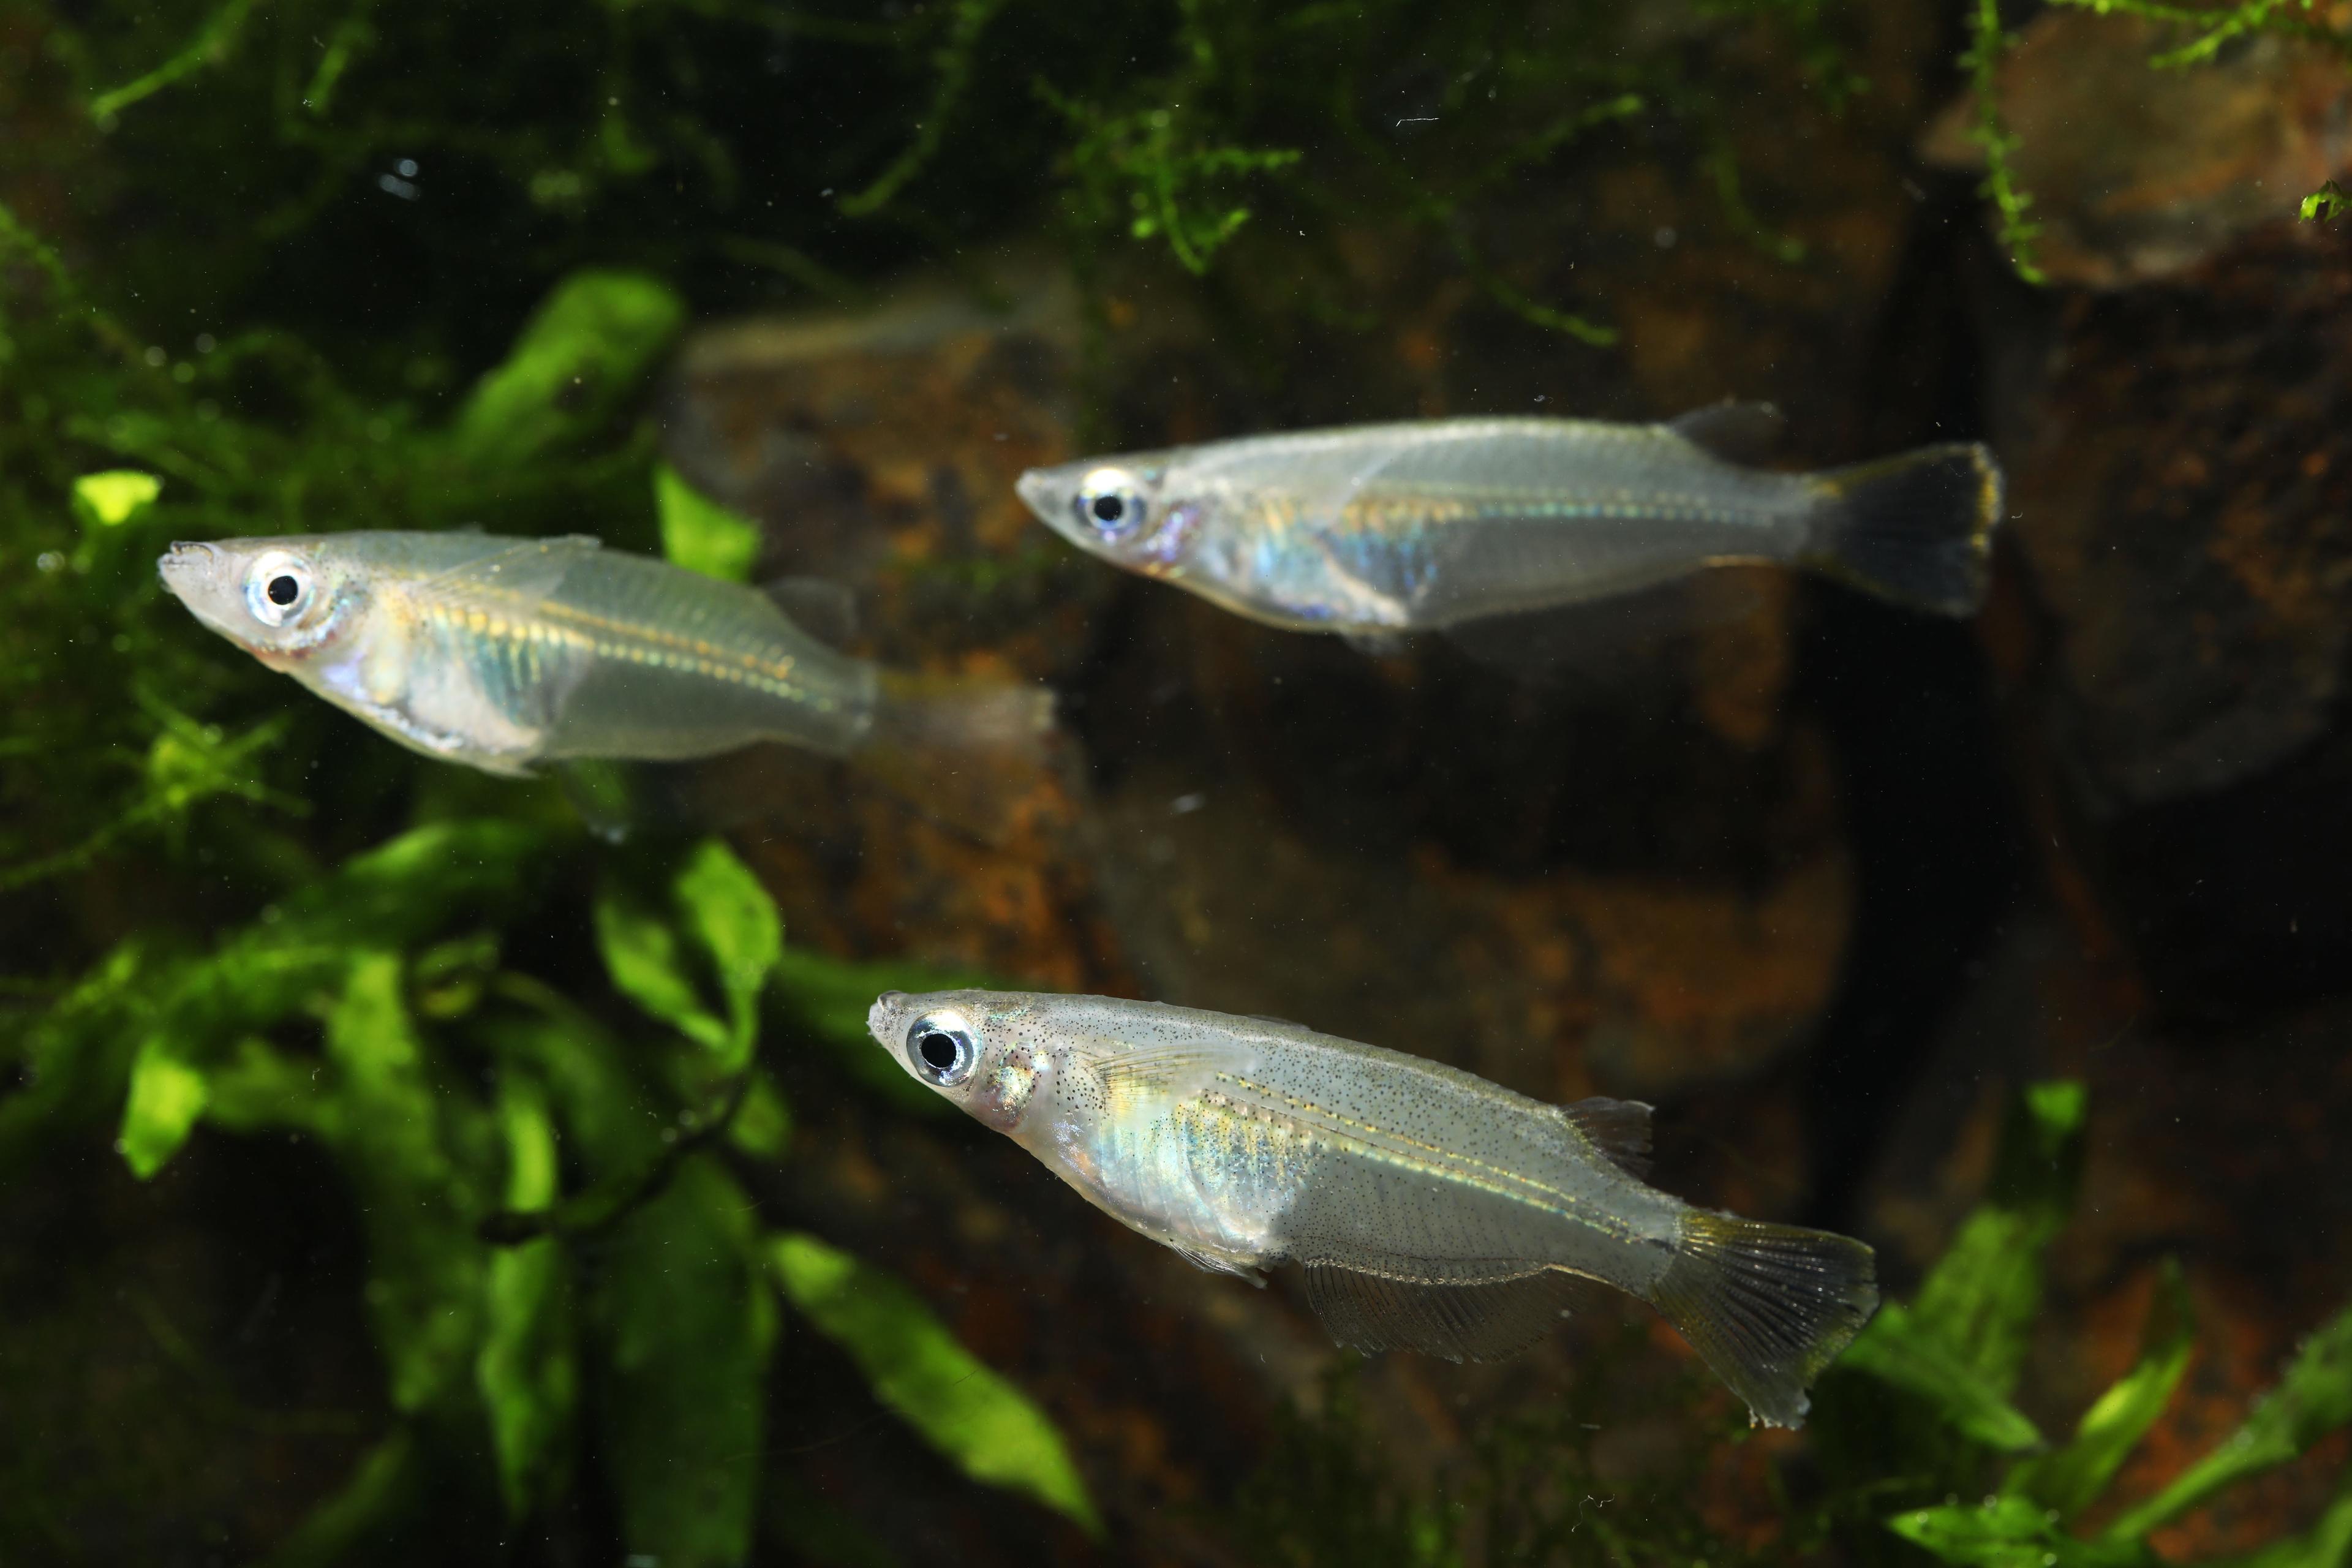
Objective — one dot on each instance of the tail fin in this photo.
(967, 752)
(1916, 528)
(1766, 1306)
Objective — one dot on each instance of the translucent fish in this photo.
(506, 654)
(1432, 1210)
(1382, 529)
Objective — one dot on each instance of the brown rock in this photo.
(2138, 171)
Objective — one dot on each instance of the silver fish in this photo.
(504, 654)
(1375, 530)
(1432, 1210)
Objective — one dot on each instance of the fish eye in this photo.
(278, 588)
(1111, 502)
(940, 1051)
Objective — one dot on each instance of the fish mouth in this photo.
(186, 559)
(1037, 489)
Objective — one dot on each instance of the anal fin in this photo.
(1486, 1320)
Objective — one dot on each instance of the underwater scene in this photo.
(1355, 784)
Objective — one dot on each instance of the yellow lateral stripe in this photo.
(1456, 1167)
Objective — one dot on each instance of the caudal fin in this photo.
(1916, 528)
(970, 752)
(1766, 1306)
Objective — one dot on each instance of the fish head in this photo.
(976, 1049)
(281, 599)
(1138, 511)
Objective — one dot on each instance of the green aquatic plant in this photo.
(560, 1256)
(1915, 1416)
(373, 1014)
(2207, 32)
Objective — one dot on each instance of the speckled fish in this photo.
(1432, 1210)
(1376, 530)
(508, 653)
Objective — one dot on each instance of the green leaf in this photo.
(641, 955)
(299, 955)
(735, 921)
(167, 1095)
(686, 1327)
(425, 1265)
(381, 1487)
(1898, 1351)
(2330, 202)
(763, 1123)
(1981, 1296)
(699, 534)
(2312, 1399)
(2010, 1532)
(2070, 1478)
(959, 1405)
(111, 498)
(2327, 1545)
(590, 344)
(527, 1370)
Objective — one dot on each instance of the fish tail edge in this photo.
(1767, 1307)
(1916, 528)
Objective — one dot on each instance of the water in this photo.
(393, 1170)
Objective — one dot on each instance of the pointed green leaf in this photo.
(2327, 1545)
(527, 1370)
(735, 921)
(642, 955)
(2070, 1478)
(2326, 204)
(425, 1265)
(382, 1486)
(1980, 1297)
(113, 498)
(699, 534)
(2311, 1400)
(686, 1327)
(581, 354)
(167, 1095)
(956, 1402)
(1896, 1350)
(2010, 1532)
(763, 1123)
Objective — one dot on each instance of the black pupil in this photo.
(938, 1050)
(284, 590)
(1109, 509)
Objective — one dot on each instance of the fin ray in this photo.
(1766, 1306)
(1464, 1320)
(1620, 1129)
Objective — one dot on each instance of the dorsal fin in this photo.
(820, 606)
(1620, 1129)
(1740, 433)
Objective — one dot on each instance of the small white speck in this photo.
(405, 168)
(393, 186)
(156, 356)
(206, 343)
(1184, 805)
(1666, 238)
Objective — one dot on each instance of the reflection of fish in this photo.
(506, 653)
(1380, 529)
(1432, 1210)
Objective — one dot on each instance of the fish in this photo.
(507, 654)
(1375, 530)
(1429, 1209)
